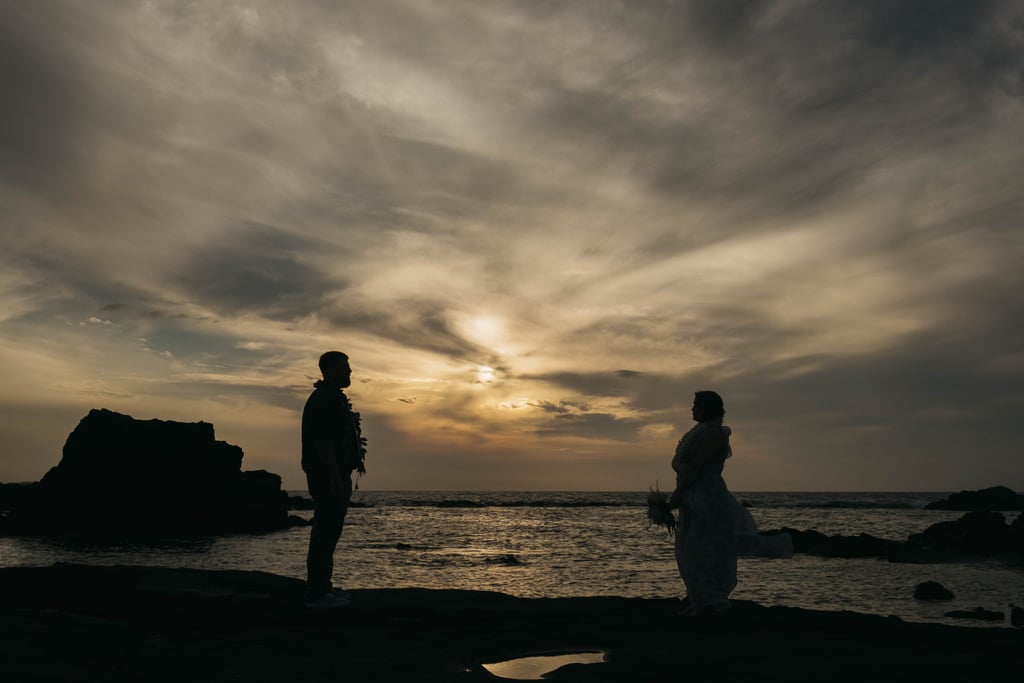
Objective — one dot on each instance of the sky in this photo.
(536, 228)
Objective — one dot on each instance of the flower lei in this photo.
(357, 425)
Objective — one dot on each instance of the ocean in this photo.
(567, 544)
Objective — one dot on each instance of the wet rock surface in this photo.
(74, 622)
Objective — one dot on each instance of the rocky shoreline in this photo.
(120, 475)
(977, 534)
(77, 622)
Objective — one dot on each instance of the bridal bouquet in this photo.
(658, 512)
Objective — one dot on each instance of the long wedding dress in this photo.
(714, 528)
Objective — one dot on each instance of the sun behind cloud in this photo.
(485, 374)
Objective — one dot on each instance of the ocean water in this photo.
(562, 544)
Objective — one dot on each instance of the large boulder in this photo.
(254, 500)
(932, 590)
(13, 495)
(993, 498)
(976, 533)
(122, 475)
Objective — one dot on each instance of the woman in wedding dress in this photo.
(713, 527)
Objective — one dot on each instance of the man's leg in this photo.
(328, 520)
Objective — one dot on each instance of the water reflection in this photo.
(568, 552)
(533, 668)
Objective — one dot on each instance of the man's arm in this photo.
(325, 452)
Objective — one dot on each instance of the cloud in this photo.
(415, 324)
(259, 269)
(812, 207)
(39, 127)
(562, 407)
(592, 426)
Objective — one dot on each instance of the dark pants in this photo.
(328, 520)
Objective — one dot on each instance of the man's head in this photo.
(335, 368)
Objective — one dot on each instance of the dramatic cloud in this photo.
(536, 228)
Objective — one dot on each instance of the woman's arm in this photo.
(676, 499)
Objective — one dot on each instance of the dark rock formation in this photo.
(295, 520)
(300, 503)
(932, 590)
(980, 533)
(816, 543)
(1016, 616)
(976, 533)
(13, 495)
(122, 475)
(978, 613)
(994, 498)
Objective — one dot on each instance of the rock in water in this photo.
(993, 498)
(978, 532)
(1016, 536)
(932, 590)
(816, 543)
(122, 475)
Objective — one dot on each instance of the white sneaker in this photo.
(328, 601)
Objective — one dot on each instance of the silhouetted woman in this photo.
(713, 527)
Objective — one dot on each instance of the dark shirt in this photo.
(327, 419)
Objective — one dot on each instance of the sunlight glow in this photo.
(484, 374)
(486, 329)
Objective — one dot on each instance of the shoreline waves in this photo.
(754, 499)
(576, 544)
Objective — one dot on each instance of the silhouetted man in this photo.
(332, 448)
